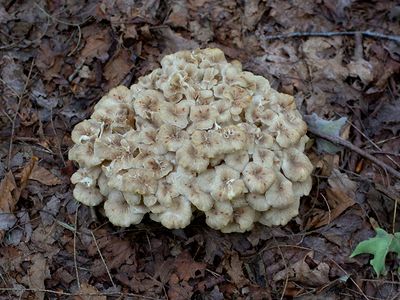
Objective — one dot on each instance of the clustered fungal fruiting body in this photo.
(196, 134)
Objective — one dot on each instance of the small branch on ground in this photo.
(347, 144)
(20, 97)
(371, 34)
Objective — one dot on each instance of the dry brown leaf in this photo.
(338, 202)
(10, 192)
(235, 270)
(324, 57)
(44, 176)
(117, 68)
(187, 268)
(253, 11)
(97, 45)
(303, 273)
(8, 200)
(37, 274)
(89, 292)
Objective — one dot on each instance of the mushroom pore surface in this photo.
(201, 134)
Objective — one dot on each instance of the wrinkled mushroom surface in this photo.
(199, 133)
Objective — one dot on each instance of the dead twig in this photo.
(347, 144)
(371, 34)
(75, 261)
(78, 26)
(20, 97)
(62, 293)
(102, 259)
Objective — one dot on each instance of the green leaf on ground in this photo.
(379, 246)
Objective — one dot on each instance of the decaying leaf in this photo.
(339, 197)
(44, 176)
(89, 292)
(10, 193)
(304, 274)
(234, 269)
(117, 68)
(37, 273)
(332, 128)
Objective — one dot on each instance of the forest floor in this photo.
(57, 58)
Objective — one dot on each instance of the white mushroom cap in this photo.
(86, 176)
(84, 155)
(102, 182)
(258, 178)
(220, 215)
(120, 213)
(86, 131)
(280, 194)
(302, 188)
(203, 116)
(276, 216)
(243, 220)
(172, 137)
(233, 139)
(121, 94)
(147, 103)
(148, 141)
(207, 143)
(177, 215)
(175, 113)
(264, 157)
(237, 160)
(223, 109)
(138, 181)
(166, 192)
(227, 184)
(189, 157)
(258, 201)
(295, 165)
(205, 179)
(132, 198)
(201, 200)
(89, 196)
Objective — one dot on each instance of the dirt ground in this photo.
(57, 58)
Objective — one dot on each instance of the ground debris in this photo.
(58, 58)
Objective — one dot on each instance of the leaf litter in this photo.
(80, 50)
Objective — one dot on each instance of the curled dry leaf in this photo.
(44, 176)
(10, 192)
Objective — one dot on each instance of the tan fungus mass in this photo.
(201, 134)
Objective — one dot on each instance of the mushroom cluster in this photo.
(199, 133)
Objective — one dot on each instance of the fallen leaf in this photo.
(340, 181)
(179, 14)
(44, 176)
(379, 246)
(50, 210)
(253, 11)
(303, 273)
(175, 42)
(324, 56)
(332, 128)
(234, 268)
(338, 202)
(97, 45)
(362, 69)
(8, 199)
(89, 292)
(117, 68)
(187, 268)
(38, 272)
